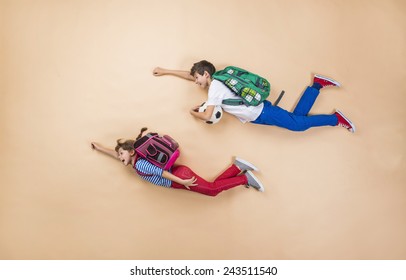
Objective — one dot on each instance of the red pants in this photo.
(227, 180)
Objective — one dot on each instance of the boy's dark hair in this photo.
(128, 145)
(202, 66)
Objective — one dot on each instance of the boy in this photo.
(265, 113)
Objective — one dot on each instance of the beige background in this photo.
(78, 71)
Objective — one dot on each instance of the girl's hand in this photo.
(95, 146)
(190, 182)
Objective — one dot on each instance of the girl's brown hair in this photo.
(128, 145)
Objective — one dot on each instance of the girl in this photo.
(182, 177)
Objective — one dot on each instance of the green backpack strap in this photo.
(233, 102)
(279, 98)
(236, 102)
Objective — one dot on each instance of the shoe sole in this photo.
(337, 84)
(250, 165)
(261, 187)
(350, 122)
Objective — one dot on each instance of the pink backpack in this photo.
(161, 151)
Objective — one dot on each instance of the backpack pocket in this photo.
(157, 155)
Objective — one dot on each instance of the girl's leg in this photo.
(204, 187)
(232, 171)
(306, 101)
(274, 115)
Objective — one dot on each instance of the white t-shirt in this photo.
(218, 92)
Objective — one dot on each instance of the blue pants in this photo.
(298, 120)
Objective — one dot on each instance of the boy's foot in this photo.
(254, 182)
(244, 165)
(344, 122)
(325, 82)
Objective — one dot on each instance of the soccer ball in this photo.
(217, 113)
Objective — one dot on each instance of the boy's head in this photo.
(201, 66)
(202, 71)
(125, 150)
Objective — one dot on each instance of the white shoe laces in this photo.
(344, 125)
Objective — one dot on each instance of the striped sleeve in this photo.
(146, 167)
(153, 173)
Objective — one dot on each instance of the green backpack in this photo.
(251, 88)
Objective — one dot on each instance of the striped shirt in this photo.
(154, 173)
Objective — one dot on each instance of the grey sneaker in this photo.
(244, 165)
(254, 182)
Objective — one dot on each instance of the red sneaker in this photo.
(344, 122)
(325, 82)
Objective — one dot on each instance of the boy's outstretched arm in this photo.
(104, 150)
(158, 71)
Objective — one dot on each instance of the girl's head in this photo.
(202, 71)
(125, 149)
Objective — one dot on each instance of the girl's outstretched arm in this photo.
(104, 150)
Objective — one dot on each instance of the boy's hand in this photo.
(195, 108)
(158, 71)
